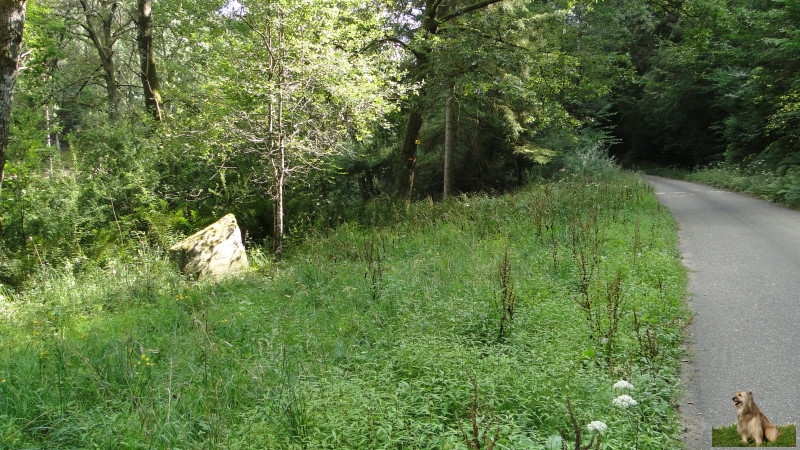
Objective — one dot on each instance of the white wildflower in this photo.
(596, 426)
(622, 384)
(624, 401)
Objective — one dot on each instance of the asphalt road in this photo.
(743, 255)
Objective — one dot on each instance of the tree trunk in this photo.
(112, 86)
(448, 147)
(98, 28)
(278, 185)
(149, 76)
(277, 232)
(408, 154)
(436, 13)
(12, 20)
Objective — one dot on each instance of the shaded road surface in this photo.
(743, 255)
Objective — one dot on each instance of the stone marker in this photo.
(215, 251)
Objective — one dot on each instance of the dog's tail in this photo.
(772, 433)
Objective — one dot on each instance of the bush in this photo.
(95, 208)
(590, 161)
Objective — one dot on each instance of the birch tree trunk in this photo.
(279, 183)
(12, 20)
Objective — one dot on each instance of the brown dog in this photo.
(752, 422)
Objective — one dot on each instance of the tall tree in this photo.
(148, 75)
(294, 91)
(12, 21)
(431, 15)
(103, 25)
(524, 90)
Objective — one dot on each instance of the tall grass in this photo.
(755, 178)
(472, 323)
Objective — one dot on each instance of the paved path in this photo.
(744, 259)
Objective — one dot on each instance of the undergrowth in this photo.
(755, 178)
(529, 321)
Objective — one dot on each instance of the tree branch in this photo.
(468, 9)
(397, 41)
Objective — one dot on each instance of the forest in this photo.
(141, 121)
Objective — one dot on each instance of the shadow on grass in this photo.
(728, 437)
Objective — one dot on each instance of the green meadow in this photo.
(549, 318)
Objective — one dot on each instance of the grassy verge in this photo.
(728, 437)
(754, 180)
(518, 322)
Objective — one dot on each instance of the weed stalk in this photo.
(373, 256)
(507, 303)
(576, 430)
(649, 347)
(477, 439)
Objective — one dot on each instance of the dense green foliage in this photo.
(294, 116)
(718, 82)
(484, 321)
(269, 109)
